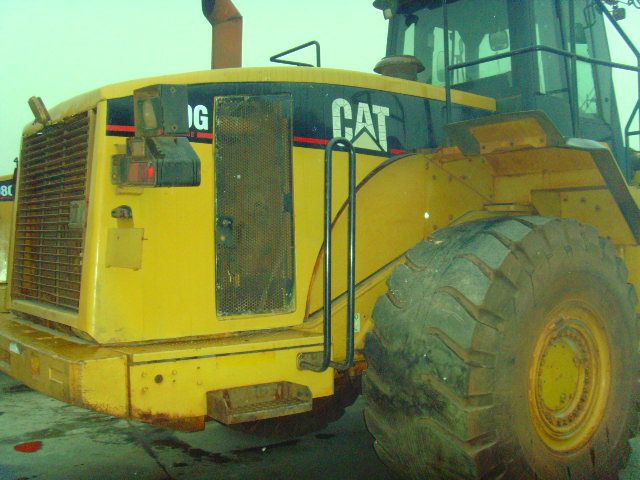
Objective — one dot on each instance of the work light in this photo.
(159, 155)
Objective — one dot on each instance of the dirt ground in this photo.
(65, 442)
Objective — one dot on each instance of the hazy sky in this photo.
(56, 49)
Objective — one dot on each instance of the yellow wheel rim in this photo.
(569, 380)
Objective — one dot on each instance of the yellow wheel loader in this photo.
(460, 231)
(7, 192)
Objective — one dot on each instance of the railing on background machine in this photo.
(308, 361)
(571, 55)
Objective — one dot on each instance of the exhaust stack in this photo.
(226, 36)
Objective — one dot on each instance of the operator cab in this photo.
(521, 54)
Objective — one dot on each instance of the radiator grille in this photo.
(49, 237)
(254, 213)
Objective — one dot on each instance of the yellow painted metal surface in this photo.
(455, 187)
(124, 380)
(367, 293)
(66, 369)
(513, 134)
(148, 286)
(569, 380)
(244, 343)
(631, 256)
(545, 161)
(397, 207)
(125, 296)
(124, 248)
(560, 182)
(597, 207)
(178, 388)
(128, 299)
(390, 220)
(125, 304)
(90, 99)
(559, 375)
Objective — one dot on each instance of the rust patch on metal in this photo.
(183, 424)
(48, 252)
(258, 402)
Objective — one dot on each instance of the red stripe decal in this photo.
(131, 128)
(121, 128)
(320, 141)
(209, 136)
(315, 141)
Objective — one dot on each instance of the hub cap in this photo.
(569, 379)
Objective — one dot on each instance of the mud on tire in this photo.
(475, 325)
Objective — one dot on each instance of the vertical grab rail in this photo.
(628, 133)
(305, 362)
(351, 253)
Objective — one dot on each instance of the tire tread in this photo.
(431, 399)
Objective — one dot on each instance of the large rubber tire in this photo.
(505, 348)
(325, 411)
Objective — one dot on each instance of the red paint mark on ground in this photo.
(28, 447)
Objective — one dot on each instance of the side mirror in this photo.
(388, 7)
(581, 34)
(159, 155)
(619, 13)
(499, 41)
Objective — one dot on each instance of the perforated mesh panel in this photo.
(254, 214)
(48, 250)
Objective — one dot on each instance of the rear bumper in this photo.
(81, 374)
(164, 384)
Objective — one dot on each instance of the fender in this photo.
(390, 210)
(528, 145)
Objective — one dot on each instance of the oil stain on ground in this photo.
(242, 455)
(195, 453)
(19, 388)
(45, 433)
(102, 429)
(265, 448)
